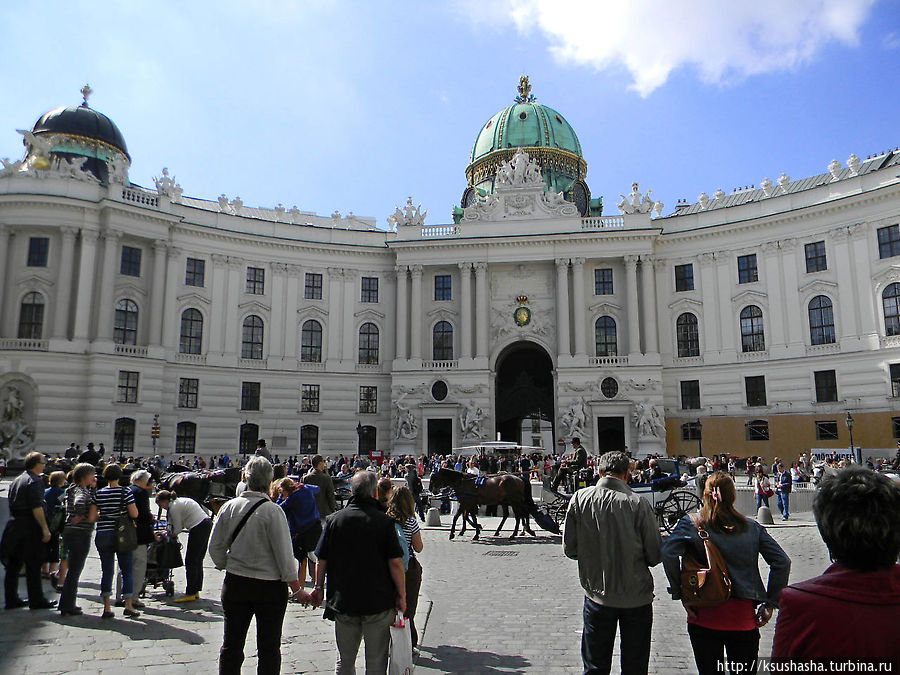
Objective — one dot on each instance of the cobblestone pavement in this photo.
(493, 606)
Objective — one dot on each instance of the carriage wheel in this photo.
(675, 507)
(558, 510)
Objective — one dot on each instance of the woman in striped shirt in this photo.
(112, 502)
(402, 509)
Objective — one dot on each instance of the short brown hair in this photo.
(316, 460)
(32, 459)
(57, 478)
(112, 472)
(164, 496)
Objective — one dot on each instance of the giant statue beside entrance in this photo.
(16, 433)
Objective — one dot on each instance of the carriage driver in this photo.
(575, 462)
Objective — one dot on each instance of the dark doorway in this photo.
(610, 434)
(524, 388)
(367, 438)
(440, 436)
(248, 438)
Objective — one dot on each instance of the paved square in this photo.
(492, 606)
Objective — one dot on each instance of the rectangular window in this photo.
(368, 399)
(309, 398)
(888, 241)
(755, 387)
(186, 438)
(684, 277)
(442, 288)
(826, 386)
(250, 395)
(195, 272)
(815, 257)
(690, 431)
(38, 247)
(758, 430)
(747, 272)
(187, 392)
(895, 427)
(128, 386)
(826, 431)
(131, 261)
(256, 281)
(690, 394)
(312, 286)
(369, 289)
(895, 379)
(603, 281)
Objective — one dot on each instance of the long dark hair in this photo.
(717, 512)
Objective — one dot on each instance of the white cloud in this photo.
(720, 39)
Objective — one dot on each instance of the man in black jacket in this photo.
(319, 477)
(360, 556)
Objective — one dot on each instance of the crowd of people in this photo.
(361, 560)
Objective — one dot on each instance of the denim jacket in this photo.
(741, 551)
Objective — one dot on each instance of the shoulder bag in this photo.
(704, 582)
(244, 520)
(126, 532)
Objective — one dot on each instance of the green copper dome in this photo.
(526, 125)
(540, 131)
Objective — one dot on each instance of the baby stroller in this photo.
(163, 557)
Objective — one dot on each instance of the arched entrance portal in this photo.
(524, 389)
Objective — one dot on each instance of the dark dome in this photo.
(83, 122)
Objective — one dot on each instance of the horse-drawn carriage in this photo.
(670, 498)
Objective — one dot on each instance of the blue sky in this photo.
(353, 106)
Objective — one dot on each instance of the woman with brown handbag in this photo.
(733, 625)
(763, 488)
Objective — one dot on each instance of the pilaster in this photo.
(402, 271)
(564, 349)
(465, 310)
(648, 287)
(6, 234)
(415, 350)
(86, 264)
(64, 299)
(578, 307)
(631, 292)
(481, 310)
(109, 272)
(157, 293)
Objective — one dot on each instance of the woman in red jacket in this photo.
(852, 611)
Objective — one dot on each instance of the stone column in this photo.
(235, 276)
(562, 307)
(157, 292)
(108, 271)
(415, 348)
(63, 283)
(332, 338)
(402, 312)
(481, 310)
(348, 328)
(791, 298)
(279, 295)
(729, 313)
(6, 234)
(291, 328)
(867, 312)
(648, 286)
(219, 290)
(634, 326)
(710, 323)
(86, 264)
(845, 318)
(170, 313)
(578, 307)
(776, 335)
(465, 310)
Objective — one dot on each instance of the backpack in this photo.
(704, 582)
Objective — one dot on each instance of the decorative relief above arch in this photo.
(312, 312)
(369, 313)
(750, 297)
(253, 306)
(192, 299)
(887, 276)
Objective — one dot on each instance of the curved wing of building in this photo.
(748, 323)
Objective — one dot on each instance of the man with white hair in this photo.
(360, 555)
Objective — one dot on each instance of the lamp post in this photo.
(849, 422)
(699, 438)
(358, 438)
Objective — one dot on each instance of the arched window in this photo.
(605, 336)
(123, 439)
(687, 335)
(252, 339)
(309, 439)
(185, 438)
(311, 341)
(890, 299)
(753, 337)
(368, 343)
(442, 341)
(821, 321)
(191, 331)
(125, 324)
(31, 317)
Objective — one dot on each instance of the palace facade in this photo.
(749, 322)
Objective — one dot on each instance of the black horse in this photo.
(208, 488)
(507, 490)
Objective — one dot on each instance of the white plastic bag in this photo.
(401, 662)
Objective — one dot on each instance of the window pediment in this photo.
(312, 312)
(686, 305)
(887, 276)
(253, 306)
(605, 308)
(192, 298)
(749, 296)
(369, 313)
(127, 288)
(442, 314)
(35, 282)
(821, 287)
